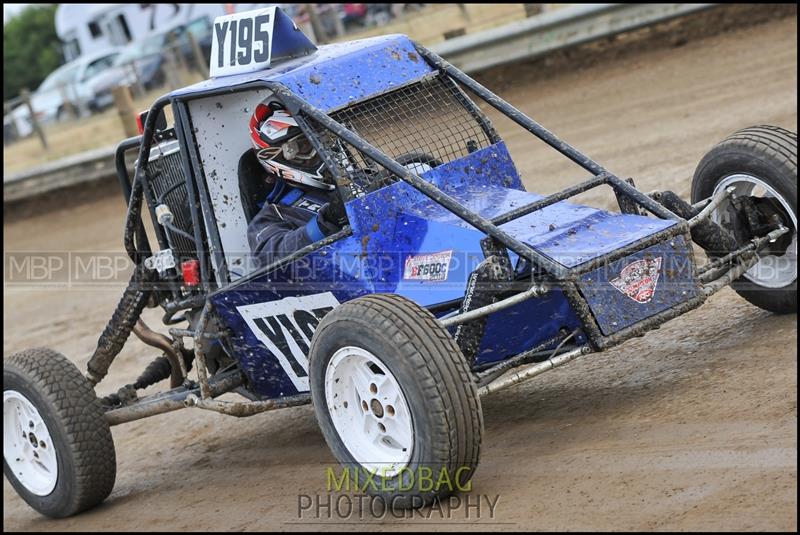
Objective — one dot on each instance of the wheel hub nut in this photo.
(377, 408)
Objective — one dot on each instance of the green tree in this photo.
(31, 49)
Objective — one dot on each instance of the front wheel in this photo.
(395, 400)
(58, 452)
(759, 162)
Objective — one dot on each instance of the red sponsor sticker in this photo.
(638, 279)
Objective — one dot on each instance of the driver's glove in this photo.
(332, 216)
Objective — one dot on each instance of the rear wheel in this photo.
(395, 400)
(58, 452)
(758, 162)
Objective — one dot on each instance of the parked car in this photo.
(9, 130)
(138, 60)
(202, 30)
(144, 59)
(70, 83)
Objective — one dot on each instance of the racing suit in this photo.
(290, 219)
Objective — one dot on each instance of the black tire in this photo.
(418, 157)
(768, 153)
(435, 380)
(75, 420)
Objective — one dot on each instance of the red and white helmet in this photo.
(283, 149)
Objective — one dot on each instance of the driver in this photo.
(303, 205)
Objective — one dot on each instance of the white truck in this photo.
(85, 28)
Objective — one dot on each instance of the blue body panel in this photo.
(397, 222)
(673, 284)
(335, 75)
(318, 273)
(487, 183)
(526, 325)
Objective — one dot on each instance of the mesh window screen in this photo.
(430, 121)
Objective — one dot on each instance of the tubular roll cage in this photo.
(547, 271)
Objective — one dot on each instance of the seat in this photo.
(253, 188)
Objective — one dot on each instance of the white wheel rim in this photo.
(771, 271)
(27, 447)
(369, 411)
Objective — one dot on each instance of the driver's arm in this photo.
(276, 232)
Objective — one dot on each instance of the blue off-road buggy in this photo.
(449, 281)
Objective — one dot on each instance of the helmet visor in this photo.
(299, 149)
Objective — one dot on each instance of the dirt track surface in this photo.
(693, 427)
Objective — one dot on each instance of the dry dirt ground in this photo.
(693, 427)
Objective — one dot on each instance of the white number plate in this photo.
(242, 42)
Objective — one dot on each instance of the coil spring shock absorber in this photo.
(119, 327)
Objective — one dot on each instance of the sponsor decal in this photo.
(638, 279)
(429, 267)
(286, 326)
(307, 204)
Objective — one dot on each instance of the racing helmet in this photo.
(283, 149)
